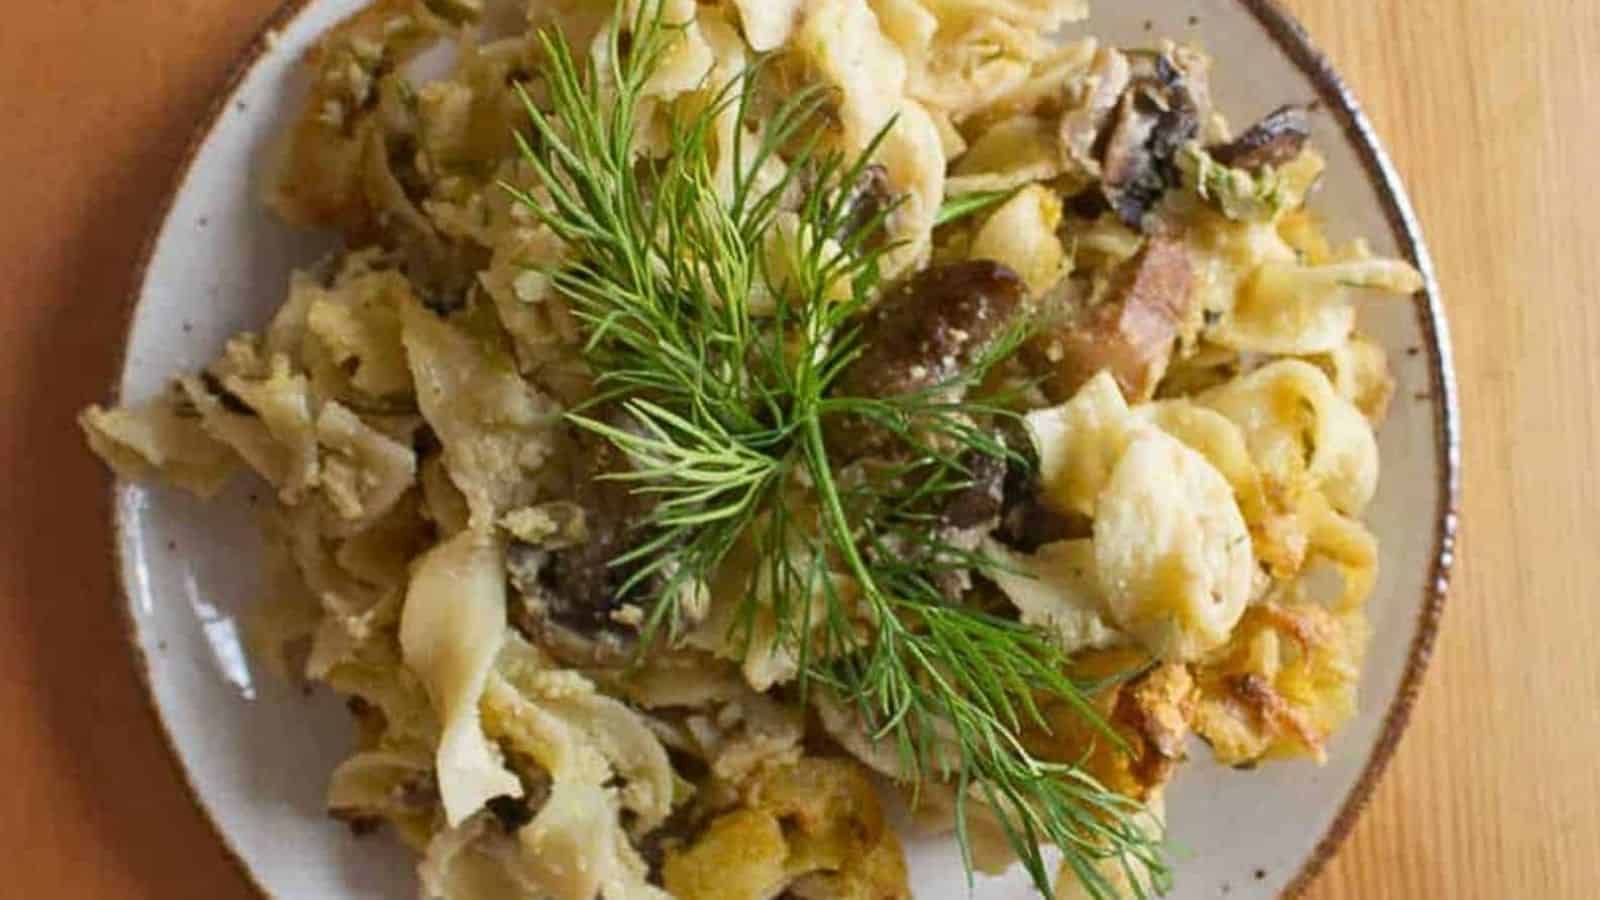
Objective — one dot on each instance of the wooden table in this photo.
(1492, 111)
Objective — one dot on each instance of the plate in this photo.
(256, 752)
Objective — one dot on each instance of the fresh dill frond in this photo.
(725, 407)
(961, 206)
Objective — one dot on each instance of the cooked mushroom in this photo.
(964, 518)
(870, 198)
(930, 328)
(1089, 112)
(959, 516)
(572, 598)
(1160, 111)
(1130, 333)
(1027, 522)
(1277, 139)
(568, 603)
(923, 335)
(977, 506)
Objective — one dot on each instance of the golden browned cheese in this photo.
(880, 874)
(815, 828)
(1154, 712)
(741, 854)
(1150, 713)
(1285, 682)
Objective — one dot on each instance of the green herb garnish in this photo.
(728, 404)
(959, 207)
(1240, 195)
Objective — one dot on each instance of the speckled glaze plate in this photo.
(257, 753)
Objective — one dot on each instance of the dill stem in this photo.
(838, 522)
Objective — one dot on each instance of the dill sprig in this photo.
(961, 206)
(721, 306)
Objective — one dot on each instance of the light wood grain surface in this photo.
(1492, 112)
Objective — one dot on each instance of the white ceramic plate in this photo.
(257, 753)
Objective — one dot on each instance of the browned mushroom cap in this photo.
(929, 329)
(1277, 139)
(922, 335)
(1158, 114)
(1130, 333)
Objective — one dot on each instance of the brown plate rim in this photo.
(264, 40)
(1336, 98)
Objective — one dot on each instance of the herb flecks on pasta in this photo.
(717, 402)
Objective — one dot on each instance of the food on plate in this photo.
(718, 412)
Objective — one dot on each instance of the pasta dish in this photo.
(722, 415)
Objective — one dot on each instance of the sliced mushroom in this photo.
(977, 506)
(870, 198)
(1130, 333)
(572, 597)
(1277, 139)
(562, 611)
(933, 326)
(1027, 522)
(1161, 110)
(1089, 111)
(922, 335)
(965, 518)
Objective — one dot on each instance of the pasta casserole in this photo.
(720, 415)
